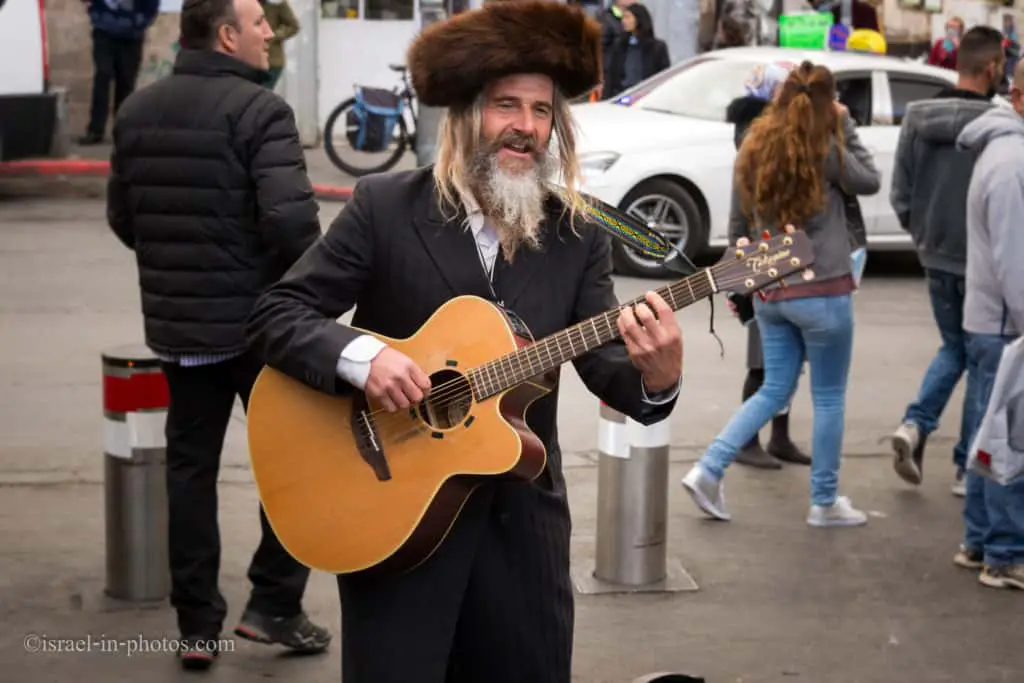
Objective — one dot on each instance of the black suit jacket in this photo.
(393, 255)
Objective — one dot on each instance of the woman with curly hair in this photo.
(791, 170)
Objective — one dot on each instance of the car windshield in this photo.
(700, 88)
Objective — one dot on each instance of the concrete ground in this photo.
(777, 601)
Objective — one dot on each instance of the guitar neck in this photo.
(557, 349)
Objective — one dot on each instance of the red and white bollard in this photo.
(630, 553)
(135, 402)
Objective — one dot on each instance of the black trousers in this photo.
(114, 59)
(494, 604)
(201, 401)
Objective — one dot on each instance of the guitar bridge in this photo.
(368, 441)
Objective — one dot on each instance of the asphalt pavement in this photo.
(775, 601)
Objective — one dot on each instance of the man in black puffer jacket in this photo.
(208, 186)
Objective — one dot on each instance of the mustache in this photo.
(527, 142)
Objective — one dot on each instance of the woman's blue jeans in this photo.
(820, 329)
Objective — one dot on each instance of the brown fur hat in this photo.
(450, 62)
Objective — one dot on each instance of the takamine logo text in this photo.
(760, 262)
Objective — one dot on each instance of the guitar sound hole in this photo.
(449, 401)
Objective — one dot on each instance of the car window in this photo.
(855, 93)
(906, 90)
(701, 88)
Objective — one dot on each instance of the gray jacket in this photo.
(827, 229)
(930, 178)
(994, 302)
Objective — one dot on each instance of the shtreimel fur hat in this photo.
(450, 62)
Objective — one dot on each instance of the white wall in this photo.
(358, 52)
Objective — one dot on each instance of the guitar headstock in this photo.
(784, 258)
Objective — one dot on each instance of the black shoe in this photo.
(296, 632)
(197, 653)
(752, 454)
(786, 451)
(90, 139)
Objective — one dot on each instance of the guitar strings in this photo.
(443, 395)
(460, 389)
(452, 391)
(458, 386)
(413, 424)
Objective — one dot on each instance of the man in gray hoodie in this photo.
(929, 196)
(993, 317)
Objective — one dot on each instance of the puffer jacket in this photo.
(208, 186)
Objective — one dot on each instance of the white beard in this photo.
(514, 201)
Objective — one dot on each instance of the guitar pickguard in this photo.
(519, 327)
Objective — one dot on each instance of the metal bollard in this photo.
(135, 401)
(630, 552)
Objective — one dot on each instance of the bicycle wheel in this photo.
(365, 165)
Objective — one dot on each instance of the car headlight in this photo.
(597, 162)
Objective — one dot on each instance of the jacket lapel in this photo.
(451, 246)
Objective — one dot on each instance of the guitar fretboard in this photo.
(553, 351)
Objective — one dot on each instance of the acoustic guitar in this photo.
(349, 487)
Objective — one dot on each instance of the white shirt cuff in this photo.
(354, 362)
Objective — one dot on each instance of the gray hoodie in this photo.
(930, 177)
(994, 302)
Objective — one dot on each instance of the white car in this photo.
(664, 152)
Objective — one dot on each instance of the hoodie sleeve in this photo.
(739, 226)
(903, 172)
(858, 174)
(1003, 208)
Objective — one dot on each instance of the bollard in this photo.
(135, 400)
(630, 553)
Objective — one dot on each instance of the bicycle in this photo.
(357, 126)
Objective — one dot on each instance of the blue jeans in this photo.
(946, 292)
(820, 329)
(993, 514)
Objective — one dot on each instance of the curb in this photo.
(99, 168)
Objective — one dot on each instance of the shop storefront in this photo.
(358, 39)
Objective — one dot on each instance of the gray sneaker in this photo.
(708, 494)
(969, 558)
(1007, 576)
(840, 513)
(908, 449)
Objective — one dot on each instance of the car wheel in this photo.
(674, 212)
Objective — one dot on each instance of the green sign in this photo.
(805, 30)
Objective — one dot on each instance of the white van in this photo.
(32, 113)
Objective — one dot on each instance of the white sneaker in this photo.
(959, 487)
(906, 445)
(708, 494)
(840, 513)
